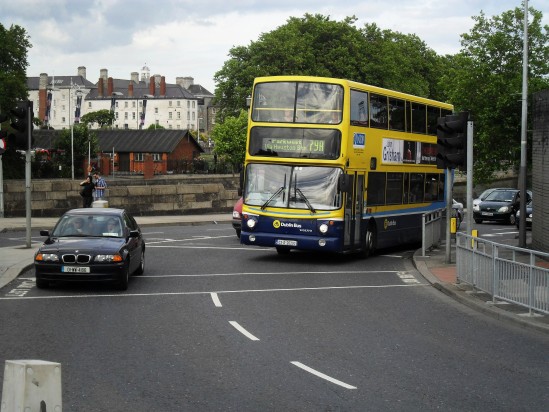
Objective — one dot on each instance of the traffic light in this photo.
(452, 141)
(21, 123)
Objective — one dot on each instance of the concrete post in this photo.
(28, 383)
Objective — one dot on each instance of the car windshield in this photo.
(501, 196)
(88, 225)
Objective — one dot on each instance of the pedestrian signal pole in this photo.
(452, 149)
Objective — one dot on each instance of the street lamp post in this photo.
(77, 92)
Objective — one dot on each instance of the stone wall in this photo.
(163, 195)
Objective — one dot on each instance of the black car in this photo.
(500, 205)
(92, 244)
(528, 215)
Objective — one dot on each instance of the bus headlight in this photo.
(322, 242)
(250, 223)
(323, 228)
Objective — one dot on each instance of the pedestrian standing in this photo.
(87, 191)
(100, 186)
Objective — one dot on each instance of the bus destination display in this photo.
(293, 145)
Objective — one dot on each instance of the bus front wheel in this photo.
(370, 240)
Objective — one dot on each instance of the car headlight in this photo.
(108, 258)
(503, 209)
(47, 257)
(476, 208)
(236, 215)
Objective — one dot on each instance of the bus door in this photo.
(353, 212)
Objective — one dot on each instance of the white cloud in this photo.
(190, 38)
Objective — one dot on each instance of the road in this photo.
(214, 325)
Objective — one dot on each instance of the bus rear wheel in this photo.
(370, 240)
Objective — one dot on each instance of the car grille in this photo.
(82, 259)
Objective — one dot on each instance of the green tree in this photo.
(486, 78)
(81, 136)
(155, 126)
(14, 44)
(102, 118)
(230, 138)
(318, 46)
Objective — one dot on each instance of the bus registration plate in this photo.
(284, 242)
(75, 269)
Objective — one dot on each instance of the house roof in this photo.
(33, 83)
(139, 141)
(140, 89)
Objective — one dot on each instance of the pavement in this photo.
(433, 266)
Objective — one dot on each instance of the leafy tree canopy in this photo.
(14, 43)
(318, 46)
(102, 118)
(230, 138)
(486, 78)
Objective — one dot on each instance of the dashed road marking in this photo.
(322, 375)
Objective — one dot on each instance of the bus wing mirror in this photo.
(344, 183)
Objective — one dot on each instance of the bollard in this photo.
(31, 385)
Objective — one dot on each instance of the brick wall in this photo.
(165, 195)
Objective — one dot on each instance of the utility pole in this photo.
(523, 126)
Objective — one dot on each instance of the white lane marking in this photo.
(322, 375)
(270, 273)
(194, 238)
(216, 300)
(124, 295)
(407, 278)
(242, 330)
(149, 244)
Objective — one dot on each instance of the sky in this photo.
(179, 38)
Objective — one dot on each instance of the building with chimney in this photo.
(137, 103)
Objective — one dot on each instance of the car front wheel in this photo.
(141, 268)
(124, 277)
(41, 283)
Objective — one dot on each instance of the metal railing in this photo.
(508, 273)
(431, 226)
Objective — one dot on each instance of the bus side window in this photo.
(379, 112)
(394, 188)
(431, 187)
(406, 188)
(359, 108)
(417, 185)
(441, 179)
(376, 188)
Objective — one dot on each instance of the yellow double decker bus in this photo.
(339, 166)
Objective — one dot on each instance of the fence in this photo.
(431, 225)
(508, 273)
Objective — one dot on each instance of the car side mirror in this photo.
(45, 233)
(134, 233)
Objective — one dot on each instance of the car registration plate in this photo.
(75, 269)
(487, 214)
(284, 242)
